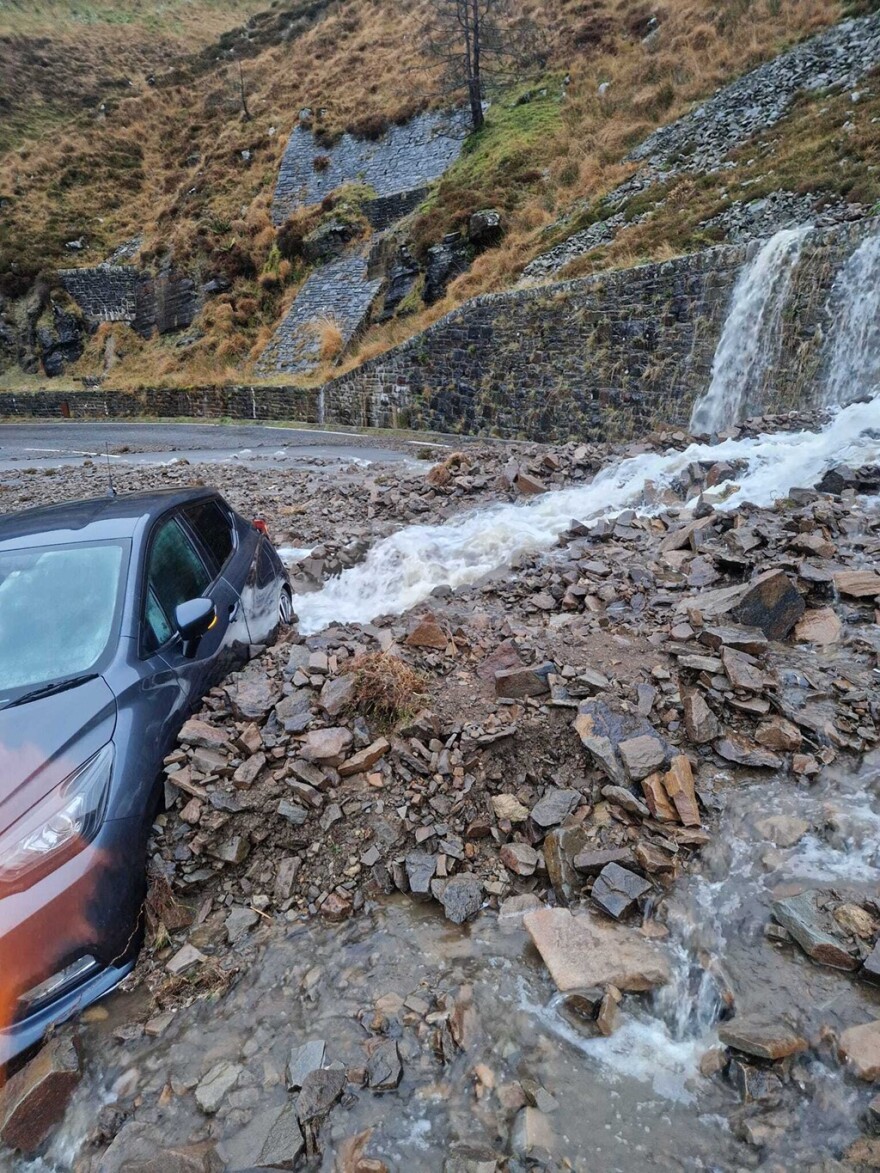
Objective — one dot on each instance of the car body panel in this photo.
(91, 903)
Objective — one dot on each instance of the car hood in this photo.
(45, 740)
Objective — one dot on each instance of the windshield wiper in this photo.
(50, 689)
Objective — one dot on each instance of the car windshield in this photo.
(58, 607)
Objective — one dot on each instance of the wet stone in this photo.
(859, 1047)
(591, 862)
(384, 1070)
(812, 928)
(214, 1086)
(35, 1098)
(584, 951)
(320, 1091)
(462, 898)
(284, 1142)
(561, 847)
(304, 1059)
(760, 1039)
(617, 890)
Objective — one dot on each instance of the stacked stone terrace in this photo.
(398, 167)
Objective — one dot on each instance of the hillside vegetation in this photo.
(135, 127)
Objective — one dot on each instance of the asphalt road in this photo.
(46, 444)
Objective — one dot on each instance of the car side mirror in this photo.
(193, 619)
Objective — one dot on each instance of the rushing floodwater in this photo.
(751, 336)
(402, 570)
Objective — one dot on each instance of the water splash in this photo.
(854, 365)
(751, 336)
(403, 569)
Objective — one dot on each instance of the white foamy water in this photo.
(403, 569)
(854, 365)
(751, 336)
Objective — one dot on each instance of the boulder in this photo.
(641, 756)
(507, 806)
(485, 228)
(700, 722)
(555, 807)
(813, 929)
(820, 627)
(770, 602)
(365, 758)
(858, 584)
(327, 746)
(584, 951)
(519, 858)
(561, 847)
(736, 747)
(678, 783)
(859, 1048)
(618, 890)
(779, 734)
(462, 898)
(35, 1098)
(320, 1091)
(428, 634)
(516, 683)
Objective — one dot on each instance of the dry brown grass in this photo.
(386, 690)
(166, 161)
(330, 339)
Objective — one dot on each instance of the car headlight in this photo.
(59, 826)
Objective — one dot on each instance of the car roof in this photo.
(94, 519)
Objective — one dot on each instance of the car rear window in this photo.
(213, 527)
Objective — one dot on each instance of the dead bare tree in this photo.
(246, 114)
(482, 45)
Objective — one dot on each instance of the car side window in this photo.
(213, 527)
(175, 573)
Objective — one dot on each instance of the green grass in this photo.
(499, 165)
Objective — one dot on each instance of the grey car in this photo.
(116, 615)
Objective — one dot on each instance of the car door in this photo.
(176, 571)
(211, 523)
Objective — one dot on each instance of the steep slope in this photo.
(183, 166)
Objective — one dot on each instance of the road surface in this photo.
(41, 444)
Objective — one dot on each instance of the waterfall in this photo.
(854, 365)
(403, 569)
(751, 336)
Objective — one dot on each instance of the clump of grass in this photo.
(386, 690)
(330, 339)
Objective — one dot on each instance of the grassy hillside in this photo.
(137, 130)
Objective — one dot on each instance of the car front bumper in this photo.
(86, 908)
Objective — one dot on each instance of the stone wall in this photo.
(240, 403)
(405, 158)
(124, 293)
(341, 293)
(607, 356)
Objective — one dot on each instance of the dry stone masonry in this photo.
(602, 357)
(404, 159)
(341, 293)
(124, 293)
(701, 140)
(605, 356)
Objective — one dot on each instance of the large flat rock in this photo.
(584, 951)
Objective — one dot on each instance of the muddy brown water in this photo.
(632, 1102)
